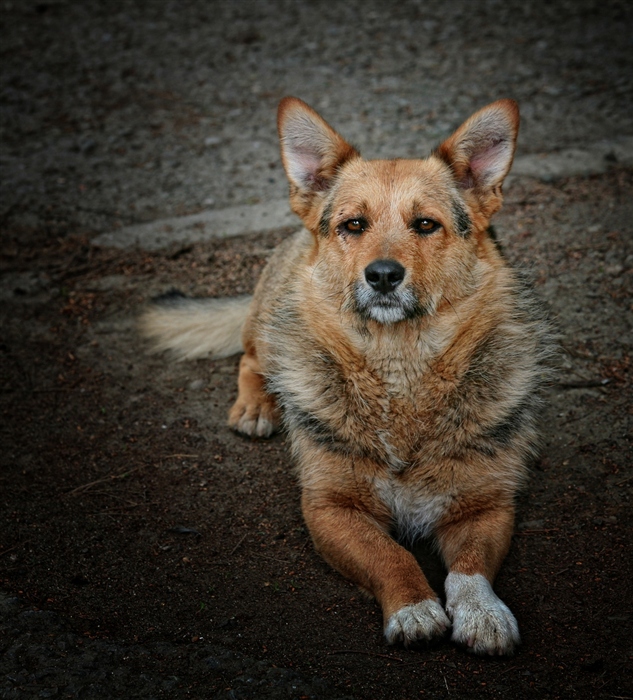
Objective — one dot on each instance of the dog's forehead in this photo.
(400, 182)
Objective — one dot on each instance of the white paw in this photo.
(481, 620)
(258, 419)
(413, 623)
(255, 427)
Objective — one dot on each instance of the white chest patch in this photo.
(415, 513)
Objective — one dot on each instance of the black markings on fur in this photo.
(298, 420)
(411, 312)
(482, 447)
(438, 152)
(493, 364)
(462, 220)
(467, 179)
(324, 223)
(492, 232)
(511, 425)
(486, 369)
(415, 310)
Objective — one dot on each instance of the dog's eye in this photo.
(425, 226)
(355, 225)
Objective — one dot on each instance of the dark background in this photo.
(146, 551)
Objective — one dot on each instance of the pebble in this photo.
(532, 525)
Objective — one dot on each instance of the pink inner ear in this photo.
(489, 165)
(303, 166)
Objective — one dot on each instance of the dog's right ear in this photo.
(311, 151)
(480, 152)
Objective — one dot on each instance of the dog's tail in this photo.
(192, 328)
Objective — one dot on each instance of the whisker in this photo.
(450, 303)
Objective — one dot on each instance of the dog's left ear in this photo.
(480, 152)
(311, 150)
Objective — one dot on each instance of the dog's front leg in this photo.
(473, 549)
(255, 411)
(355, 544)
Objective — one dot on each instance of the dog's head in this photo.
(398, 237)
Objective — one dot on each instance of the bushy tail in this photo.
(193, 328)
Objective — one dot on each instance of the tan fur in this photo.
(210, 328)
(410, 411)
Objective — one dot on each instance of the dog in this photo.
(404, 358)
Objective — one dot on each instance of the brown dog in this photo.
(405, 358)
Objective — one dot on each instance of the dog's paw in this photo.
(481, 620)
(419, 622)
(257, 419)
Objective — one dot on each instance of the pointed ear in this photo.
(311, 150)
(480, 152)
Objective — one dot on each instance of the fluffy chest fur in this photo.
(424, 409)
(365, 398)
(396, 393)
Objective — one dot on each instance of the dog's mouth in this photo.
(389, 307)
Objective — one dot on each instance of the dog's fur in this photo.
(405, 359)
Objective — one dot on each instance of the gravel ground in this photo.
(125, 111)
(145, 551)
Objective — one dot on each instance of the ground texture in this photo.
(145, 550)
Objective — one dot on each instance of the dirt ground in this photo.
(148, 552)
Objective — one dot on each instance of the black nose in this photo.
(384, 275)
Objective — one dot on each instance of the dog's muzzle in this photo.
(383, 297)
